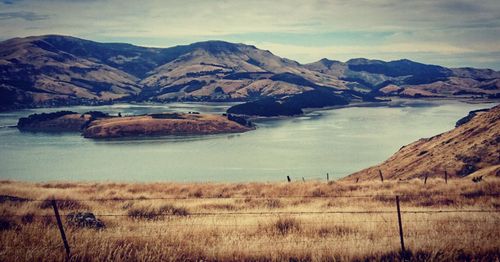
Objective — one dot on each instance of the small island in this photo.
(99, 125)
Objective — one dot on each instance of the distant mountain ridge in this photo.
(59, 70)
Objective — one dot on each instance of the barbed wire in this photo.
(403, 197)
(275, 241)
(273, 213)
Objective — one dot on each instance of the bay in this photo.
(334, 141)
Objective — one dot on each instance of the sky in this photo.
(453, 33)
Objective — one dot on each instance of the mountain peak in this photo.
(217, 46)
(328, 63)
(363, 61)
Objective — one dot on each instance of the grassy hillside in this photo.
(55, 70)
(467, 149)
(162, 124)
(299, 221)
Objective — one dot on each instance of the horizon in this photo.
(449, 33)
(241, 43)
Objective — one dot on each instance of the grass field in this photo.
(299, 221)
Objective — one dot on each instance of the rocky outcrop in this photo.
(84, 220)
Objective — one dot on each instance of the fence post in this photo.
(288, 178)
(303, 179)
(446, 176)
(401, 238)
(381, 176)
(327, 177)
(61, 229)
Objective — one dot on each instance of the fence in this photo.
(380, 175)
(401, 223)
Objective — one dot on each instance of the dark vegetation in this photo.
(204, 73)
(289, 106)
(417, 73)
(35, 118)
(248, 75)
(96, 114)
(264, 107)
(93, 85)
(292, 79)
(155, 213)
(167, 116)
(316, 99)
(190, 86)
(240, 120)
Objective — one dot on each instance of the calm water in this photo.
(337, 141)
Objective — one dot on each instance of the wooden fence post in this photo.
(381, 176)
(61, 229)
(288, 178)
(445, 176)
(303, 179)
(401, 238)
(327, 177)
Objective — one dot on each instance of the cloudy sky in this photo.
(445, 32)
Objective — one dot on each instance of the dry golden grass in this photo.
(469, 149)
(298, 221)
(148, 125)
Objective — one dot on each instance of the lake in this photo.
(338, 142)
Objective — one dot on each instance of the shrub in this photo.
(68, 204)
(152, 213)
(143, 213)
(34, 118)
(167, 116)
(287, 225)
(173, 210)
(220, 206)
(274, 203)
(318, 192)
(28, 218)
(6, 223)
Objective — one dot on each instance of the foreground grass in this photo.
(309, 221)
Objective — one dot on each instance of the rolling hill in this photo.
(472, 147)
(56, 70)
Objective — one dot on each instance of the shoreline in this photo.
(468, 100)
(396, 102)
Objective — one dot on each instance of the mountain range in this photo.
(56, 70)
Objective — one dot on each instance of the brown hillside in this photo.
(469, 148)
(179, 124)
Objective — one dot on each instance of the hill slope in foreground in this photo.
(471, 148)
